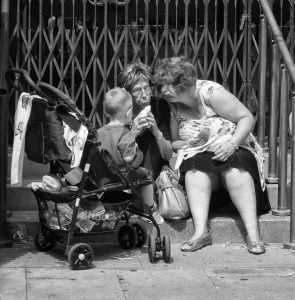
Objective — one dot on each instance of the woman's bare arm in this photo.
(226, 105)
(164, 145)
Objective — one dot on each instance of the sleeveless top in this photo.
(211, 130)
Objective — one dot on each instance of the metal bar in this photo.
(166, 26)
(4, 55)
(186, 28)
(273, 116)
(235, 39)
(291, 244)
(126, 34)
(225, 45)
(215, 40)
(262, 80)
(62, 40)
(73, 39)
(29, 34)
(84, 56)
(282, 209)
(249, 52)
(146, 33)
(244, 28)
(51, 39)
(206, 41)
(94, 70)
(40, 39)
(279, 38)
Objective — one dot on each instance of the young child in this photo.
(121, 144)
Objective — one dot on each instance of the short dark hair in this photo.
(177, 71)
(115, 100)
(134, 73)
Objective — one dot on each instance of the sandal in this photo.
(255, 247)
(194, 245)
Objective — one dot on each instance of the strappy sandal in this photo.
(194, 245)
(255, 247)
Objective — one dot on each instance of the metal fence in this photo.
(80, 46)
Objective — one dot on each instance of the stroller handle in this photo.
(10, 76)
(54, 92)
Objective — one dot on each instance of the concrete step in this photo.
(21, 198)
(225, 228)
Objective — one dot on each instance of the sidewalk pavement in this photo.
(221, 271)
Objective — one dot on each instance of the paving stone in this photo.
(64, 284)
(254, 283)
(12, 283)
(164, 284)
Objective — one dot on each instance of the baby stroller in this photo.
(99, 201)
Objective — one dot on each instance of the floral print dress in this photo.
(211, 130)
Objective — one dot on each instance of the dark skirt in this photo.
(241, 159)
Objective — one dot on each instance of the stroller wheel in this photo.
(43, 242)
(141, 234)
(127, 236)
(166, 248)
(80, 256)
(152, 248)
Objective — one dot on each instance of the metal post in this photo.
(262, 80)
(273, 116)
(4, 34)
(291, 245)
(277, 34)
(282, 209)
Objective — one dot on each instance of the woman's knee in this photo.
(237, 177)
(201, 180)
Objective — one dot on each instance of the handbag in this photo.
(172, 199)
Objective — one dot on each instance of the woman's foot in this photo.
(198, 243)
(255, 246)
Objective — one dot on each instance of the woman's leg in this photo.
(240, 186)
(199, 186)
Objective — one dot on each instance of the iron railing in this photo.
(287, 65)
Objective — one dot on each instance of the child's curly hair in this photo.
(176, 71)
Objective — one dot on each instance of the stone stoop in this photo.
(226, 227)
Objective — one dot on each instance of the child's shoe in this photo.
(156, 215)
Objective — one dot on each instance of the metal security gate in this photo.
(80, 46)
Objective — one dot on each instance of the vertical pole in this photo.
(273, 116)
(282, 209)
(291, 244)
(262, 80)
(4, 40)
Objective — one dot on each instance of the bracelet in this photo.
(234, 144)
(158, 138)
